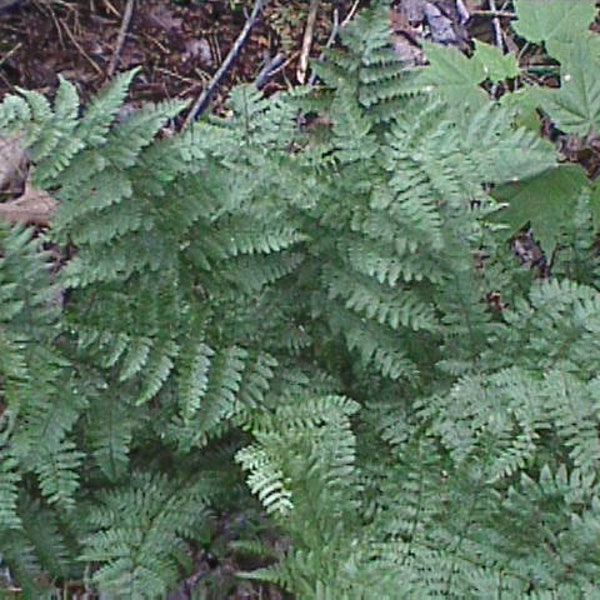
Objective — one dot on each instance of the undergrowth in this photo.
(315, 295)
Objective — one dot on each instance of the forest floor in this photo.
(179, 47)
(181, 44)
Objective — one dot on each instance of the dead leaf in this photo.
(34, 207)
(14, 166)
(162, 17)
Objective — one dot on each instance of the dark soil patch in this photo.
(178, 45)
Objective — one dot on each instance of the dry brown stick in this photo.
(499, 37)
(203, 100)
(272, 65)
(10, 53)
(110, 8)
(125, 22)
(59, 25)
(81, 51)
(33, 207)
(307, 41)
(503, 14)
(350, 14)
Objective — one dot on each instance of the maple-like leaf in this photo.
(575, 106)
(558, 24)
(546, 201)
(497, 66)
(454, 76)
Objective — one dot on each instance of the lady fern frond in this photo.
(139, 547)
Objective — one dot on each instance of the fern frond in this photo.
(219, 388)
(103, 109)
(393, 307)
(110, 433)
(9, 492)
(138, 548)
(266, 479)
(59, 479)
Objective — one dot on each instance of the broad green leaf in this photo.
(454, 76)
(524, 103)
(546, 201)
(496, 65)
(575, 106)
(557, 23)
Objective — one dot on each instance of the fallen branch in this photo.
(10, 53)
(125, 22)
(80, 49)
(272, 66)
(203, 100)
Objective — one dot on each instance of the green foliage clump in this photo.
(310, 310)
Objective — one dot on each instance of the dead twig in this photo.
(81, 51)
(498, 35)
(125, 22)
(57, 24)
(307, 41)
(350, 14)
(203, 100)
(501, 14)
(110, 8)
(272, 66)
(10, 53)
(334, 31)
(34, 207)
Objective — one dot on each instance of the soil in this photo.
(178, 45)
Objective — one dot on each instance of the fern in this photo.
(398, 228)
(140, 549)
(309, 312)
(37, 421)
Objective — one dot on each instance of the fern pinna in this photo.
(306, 307)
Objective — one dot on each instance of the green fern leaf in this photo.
(9, 492)
(136, 132)
(159, 367)
(138, 548)
(14, 111)
(195, 379)
(102, 111)
(136, 358)
(266, 480)
(57, 142)
(110, 430)
(58, 475)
